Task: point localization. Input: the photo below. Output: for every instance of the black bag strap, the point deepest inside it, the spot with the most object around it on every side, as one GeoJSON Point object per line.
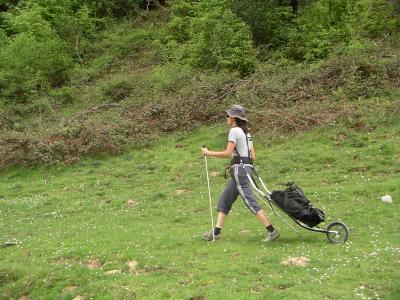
{"type": "Point", "coordinates": [238, 155]}
{"type": "Point", "coordinates": [248, 148]}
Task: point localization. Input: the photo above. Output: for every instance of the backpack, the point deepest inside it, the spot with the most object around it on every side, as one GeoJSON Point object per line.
{"type": "Point", "coordinates": [295, 203]}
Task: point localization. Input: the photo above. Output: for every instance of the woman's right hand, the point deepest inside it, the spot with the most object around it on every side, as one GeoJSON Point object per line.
{"type": "Point", "coordinates": [204, 151]}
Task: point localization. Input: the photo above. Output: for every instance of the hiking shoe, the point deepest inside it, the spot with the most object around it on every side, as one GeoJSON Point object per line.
{"type": "Point", "coordinates": [272, 236]}
{"type": "Point", "coordinates": [208, 236]}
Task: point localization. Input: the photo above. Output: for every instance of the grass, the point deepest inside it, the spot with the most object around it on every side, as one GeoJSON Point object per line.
{"type": "Point", "coordinates": [66, 219]}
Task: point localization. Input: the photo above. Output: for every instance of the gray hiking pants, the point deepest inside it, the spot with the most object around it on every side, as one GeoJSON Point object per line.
{"type": "Point", "coordinates": [238, 185]}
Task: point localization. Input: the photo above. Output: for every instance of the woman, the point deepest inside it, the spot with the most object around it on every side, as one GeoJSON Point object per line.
{"type": "Point", "coordinates": [240, 148]}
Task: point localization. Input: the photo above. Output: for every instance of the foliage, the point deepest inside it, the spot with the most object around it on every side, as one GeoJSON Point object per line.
{"type": "Point", "coordinates": [268, 20]}
{"type": "Point", "coordinates": [322, 25]}
{"type": "Point", "coordinates": [117, 8]}
{"type": "Point", "coordinates": [216, 38]}
{"type": "Point", "coordinates": [65, 64]}
{"type": "Point", "coordinates": [29, 65]}
{"type": "Point", "coordinates": [33, 57]}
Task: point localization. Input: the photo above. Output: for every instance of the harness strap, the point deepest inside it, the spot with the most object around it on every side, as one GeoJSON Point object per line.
{"type": "Point", "coordinates": [248, 150]}
{"type": "Point", "coordinates": [238, 160]}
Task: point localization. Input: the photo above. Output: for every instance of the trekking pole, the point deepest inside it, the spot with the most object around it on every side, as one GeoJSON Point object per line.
{"type": "Point", "coordinates": [209, 197]}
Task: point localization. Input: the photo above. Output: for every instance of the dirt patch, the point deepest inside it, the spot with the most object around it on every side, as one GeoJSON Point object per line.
{"type": "Point", "coordinates": [201, 297]}
{"type": "Point", "coordinates": [181, 191]}
{"type": "Point", "coordinates": [301, 261]}
{"type": "Point", "coordinates": [132, 202]}
{"type": "Point", "coordinates": [113, 272]}
{"type": "Point", "coordinates": [69, 289]}
{"type": "Point", "coordinates": [234, 255]}
{"type": "Point", "coordinates": [93, 264]}
{"type": "Point", "coordinates": [132, 266]}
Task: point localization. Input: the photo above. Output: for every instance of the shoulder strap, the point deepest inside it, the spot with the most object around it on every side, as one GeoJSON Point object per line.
{"type": "Point", "coordinates": [247, 143]}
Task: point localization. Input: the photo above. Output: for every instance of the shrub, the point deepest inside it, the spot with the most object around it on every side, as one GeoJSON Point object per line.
{"type": "Point", "coordinates": [28, 66]}
{"type": "Point", "coordinates": [215, 38]}
{"type": "Point", "coordinates": [268, 20]}
{"type": "Point", "coordinates": [33, 57]}
{"type": "Point", "coordinates": [322, 25]}
{"type": "Point", "coordinates": [171, 76]}
{"type": "Point", "coordinates": [118, 89]}
{"type": "Point", "coordinates": [65, 95]}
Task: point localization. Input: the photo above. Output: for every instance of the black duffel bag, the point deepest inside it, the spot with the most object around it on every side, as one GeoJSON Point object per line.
{"type": "Point", "coordinates": [295, 203]}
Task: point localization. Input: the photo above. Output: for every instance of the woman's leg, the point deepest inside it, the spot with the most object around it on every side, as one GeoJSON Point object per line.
{"type": "Point", "coordinates": [245, 190]}
{"type": "Point", "coordinates": [225, 202]}
{"type": "Point", "coordinates": [228, 197]}
{"type": "Point", "coordinates": [221, 219]}
{"type": "Point", "coordinates": [263, 217]}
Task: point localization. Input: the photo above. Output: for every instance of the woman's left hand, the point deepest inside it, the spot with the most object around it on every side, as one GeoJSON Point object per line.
{"type": "Point", "coordinates": [204, 151]}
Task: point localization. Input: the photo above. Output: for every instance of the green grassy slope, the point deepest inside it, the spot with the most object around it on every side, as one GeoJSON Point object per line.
{"type": "Point", "coordinates": [66, 219]}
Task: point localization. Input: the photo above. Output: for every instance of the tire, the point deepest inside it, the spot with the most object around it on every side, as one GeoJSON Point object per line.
{"type": "Point", "coordinates": [341, 235]}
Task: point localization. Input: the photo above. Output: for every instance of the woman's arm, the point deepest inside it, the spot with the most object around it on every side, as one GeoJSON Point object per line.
{"type": "Point", "coordinates": [226, 153]}
{"type": "Point", "coordinates": [252, 153]}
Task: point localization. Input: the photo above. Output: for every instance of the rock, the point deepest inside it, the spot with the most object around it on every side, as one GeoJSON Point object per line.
{"type": "Point", "coordinates": [131, 202]}
{"type": "Point", "coordinates": [387, 199]}
{"type": "Point", "coordinates": [113, 272]}
{"type": "Point", "coordinates": [301, 261]}
{"type": "Point", "coordinates": [79, 298]}
{"type": "Point", "coordinates": [69, 289]}
{"type": "Point", "coordinates": [93, 264]}
{"type": "Point", "coordinates": [201, 297]}
{"type": "Point", "coordinates": [9, 243]}
{"type": "Point", "coordinates": [132, 266]}
{"type": "Point", "coordinates": [179, 192]}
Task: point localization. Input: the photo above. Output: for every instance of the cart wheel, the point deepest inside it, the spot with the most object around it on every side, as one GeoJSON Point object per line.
{"type": "Point", "coordinates": [340, 234]}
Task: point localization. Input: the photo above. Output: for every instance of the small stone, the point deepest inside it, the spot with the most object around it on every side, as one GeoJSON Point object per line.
{"type": "Point", "coordinates": [179, 192]}
{"type": "Point", "coordinates": [9, 243]}
{"type": "Point", "coordinates": [132, 266]}
{"type": "Point", "coordinates": [93, 264]}
{"type": "Point", "coordinates": [113, 272]}
{"type": "Point", "coordinates": [387, 199]}
{"type": "Point", "coordinates": [131, 202]}
{"type": "Point", "coordinates": [69, 289]}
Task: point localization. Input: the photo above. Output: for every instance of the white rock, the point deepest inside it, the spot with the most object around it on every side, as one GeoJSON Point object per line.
{"type": "Point", "coordinates": [113, 272]}
{"type": "Point", "coordinates": [387, 199]}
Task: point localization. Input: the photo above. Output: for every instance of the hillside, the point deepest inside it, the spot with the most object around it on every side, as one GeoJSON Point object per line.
{"type": "Point", "coordinates": [144, 76]}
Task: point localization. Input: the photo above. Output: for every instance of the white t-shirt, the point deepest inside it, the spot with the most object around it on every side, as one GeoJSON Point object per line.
{"type": "Point", "coordinates": [237, 136]}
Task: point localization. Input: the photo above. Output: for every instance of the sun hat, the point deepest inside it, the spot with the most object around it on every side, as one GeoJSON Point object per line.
{"type": "Point", "coordinates": [237, 111]}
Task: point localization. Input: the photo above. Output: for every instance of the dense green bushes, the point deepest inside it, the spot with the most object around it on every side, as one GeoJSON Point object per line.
{"type": "Point", "coordinates": [29, 65]}
{"type": "Point", "coordinates": [211, 36]}
{"type": "Point", "coordinates": [313, 29]}
{"type": "Point", "coordinates": [41, 41]}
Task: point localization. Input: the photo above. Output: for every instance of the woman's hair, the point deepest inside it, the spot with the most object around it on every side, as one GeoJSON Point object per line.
{"type": "Point", "coordinates": [242, 124]}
